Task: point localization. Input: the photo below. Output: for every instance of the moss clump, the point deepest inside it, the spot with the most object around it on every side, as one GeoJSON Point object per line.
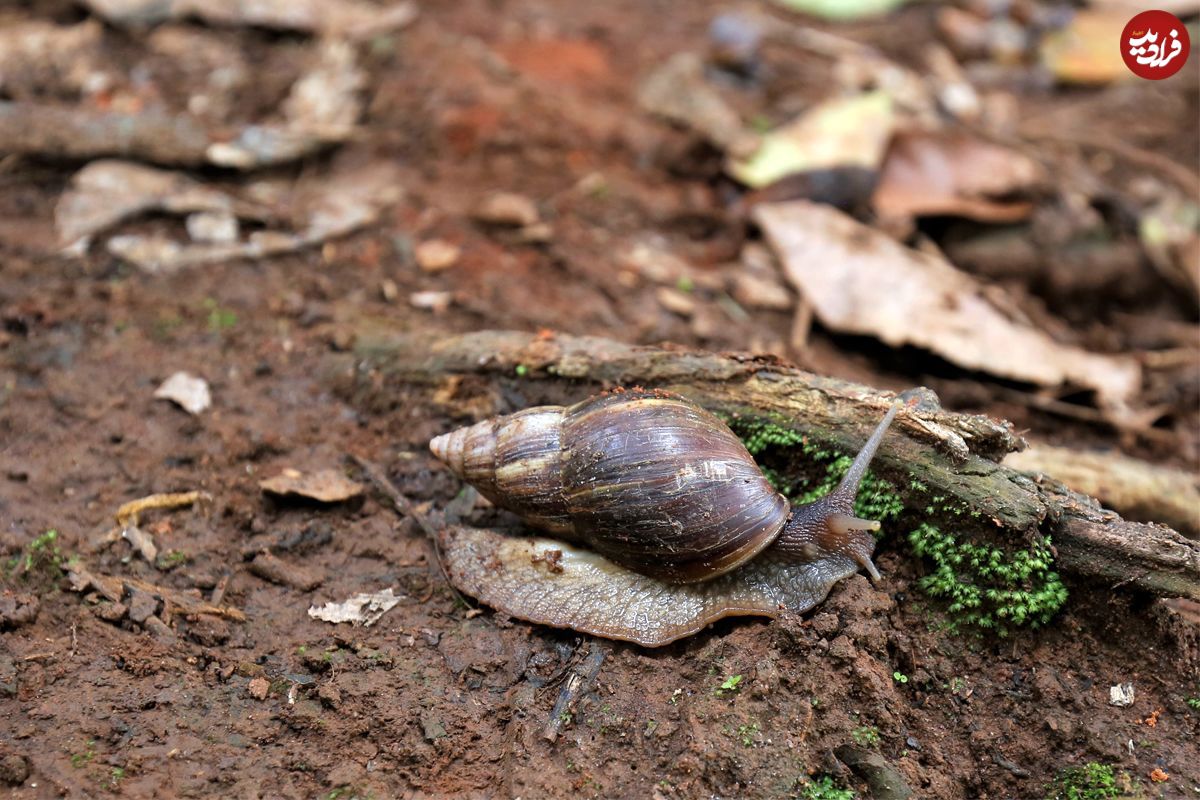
{"type": "Point", "coordinates": [823, 788]}
{"type": "Point", "coordinates": [987, 586]}
{"type": "Point", "coordinates": [1092, 781]}
{"type": "Point", "coordinates": [877, 498]}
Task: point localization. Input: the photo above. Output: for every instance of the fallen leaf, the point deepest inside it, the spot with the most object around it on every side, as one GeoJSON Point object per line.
{"type": "Point", "coordinates": [859, 280]}
{"type": "Point", "coordinates": [1088, 49]}
{"type": "Point", "coordinates": [928, 173]}
{"type": "Point", "coordinates": [842, 9]}
{"type": "Point", "coordinates": [350, 18]}
{"type": "Point", "coordinates": [187, 391]}
{"type": "Point", "coordinates": [359, 609]}
{"type": "Point", "coordinates": [679, 91]}
{"type": "Point", "coordinates": [843, 132]}
{"type": "Point", "coordinates": [325, 486]}
{"type": "Point", "coordinates": [107, 192]}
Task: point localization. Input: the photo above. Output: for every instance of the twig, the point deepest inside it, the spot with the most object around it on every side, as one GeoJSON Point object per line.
{"type": "Point", "coordinates": [405, 507]}
{"type": "Point", "coordinates": [578, 682]}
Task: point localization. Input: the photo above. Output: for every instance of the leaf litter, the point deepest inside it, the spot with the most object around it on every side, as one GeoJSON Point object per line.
{"type": "Point", "coordinates": [861, 281]}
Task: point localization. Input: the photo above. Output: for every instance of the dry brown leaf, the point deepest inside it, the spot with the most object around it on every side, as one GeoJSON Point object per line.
{"type": "Point", "coordinates": [861, 281]}
{"type": "Point", "coordinates": [929, 173]}
{"type": "Point", "coordinates": [325, 486]}
{"type": "Point", "coordinates": [1087, 50]}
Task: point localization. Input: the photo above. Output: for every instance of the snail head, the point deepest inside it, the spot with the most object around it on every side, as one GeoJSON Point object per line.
{"type": "Point", "coordinates": [828, 527]}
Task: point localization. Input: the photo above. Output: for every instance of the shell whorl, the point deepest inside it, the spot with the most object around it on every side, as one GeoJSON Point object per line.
{"type": "Point", "coordinates": [515, 461]}
{"type": "Point", "coordinates": [653, 482]}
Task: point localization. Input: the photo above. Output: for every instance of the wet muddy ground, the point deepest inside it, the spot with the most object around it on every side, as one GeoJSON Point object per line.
{"type": "Point", "coordinates": [251, 697]}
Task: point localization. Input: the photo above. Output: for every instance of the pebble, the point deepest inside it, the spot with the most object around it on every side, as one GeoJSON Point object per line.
{"type": "Point", "coordinates": [259, 688]}
{"type": "Point", "coordinates": [507, 208]}
{"type": "Point", "coordinates": [675, 301]}
{"type": "Point", "coordinates": [436, 302]}
{"type": "Point", "coordinates": [436, 255]}
{"type": "Point", "coordinates": [758, 292]}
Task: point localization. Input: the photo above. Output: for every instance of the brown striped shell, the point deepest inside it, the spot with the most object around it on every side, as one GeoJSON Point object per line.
{"type": "Point", "coordinates": [651, 481]}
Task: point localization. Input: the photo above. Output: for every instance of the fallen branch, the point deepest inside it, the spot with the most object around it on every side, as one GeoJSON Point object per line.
{"type": "Point", "coordinates": [930, 451]}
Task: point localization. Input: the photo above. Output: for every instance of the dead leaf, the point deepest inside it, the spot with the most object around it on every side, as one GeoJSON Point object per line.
{"type": "Point", "coordinates": [861, 281]}
{"type": "Point", "coordinates": [108, 191]}
{"type": "Point", "coordinates": [187, 391]}
{"type": "Point", "coordinates": [350, 18]}
{"type": "Point", "coordinates": [928, 173]}
{"type": "Point", "coordinates": [842, 132]}
{"type": "Point", "coordinates": [679, 91]}
{"type": "Point", "coordinates": [325, 486]}
{"type": "Point", "coordinates": [1088, 49]}
{"type": "Point", "coordinates": [359, 609]}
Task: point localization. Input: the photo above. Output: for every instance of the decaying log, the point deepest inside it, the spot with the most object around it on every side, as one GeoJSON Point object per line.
{"type": "Point", "coordinates": [953, 456]}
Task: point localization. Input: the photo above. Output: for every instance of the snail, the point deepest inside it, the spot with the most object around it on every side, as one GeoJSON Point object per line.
{"type": "Point", "coordinates": [661, 521]}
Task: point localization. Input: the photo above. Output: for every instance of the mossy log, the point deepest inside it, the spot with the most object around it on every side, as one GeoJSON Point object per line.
{"type": "Point", "coordinates": [930, 453]}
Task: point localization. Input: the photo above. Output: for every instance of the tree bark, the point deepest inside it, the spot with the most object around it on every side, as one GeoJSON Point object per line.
{"type": "Point", "coordinates": [950, 455]}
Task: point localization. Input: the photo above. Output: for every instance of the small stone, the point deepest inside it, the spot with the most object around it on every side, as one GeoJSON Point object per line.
{"type": "Point", "coordinates": [675, 301]}
{"type": "Point", "coordinates": [436, 302]}
{"type": "Point", "coordinates": [758, 292]}
{"type": "Point", "coordinates": [329, 695]}
{"type": "Point", "coordinates": [538, 233]}
{"type": "Point", "coordinates": [436, 255]}
{"type": "Point", "coordinates": [112, 612]}
{"type": "Point", "coordinates": [826, 623]}
{"type": "Point", "coordinates": [1121, 695]}
{"type": "Point", "coordinates": [14, 769]}
{"type": "Point", "coordinates": [842, 649]}
{"type": "Point", "coordinates": [187, 391]}
{"type": "Point", "coordinates": [259, 688]}
{"type": "Point", "coordinates": [389, 289]}
{"type": "Point", "coordinates": [142, 605]}
{"type": "Point", "coordinates": [159, 629]}
{"type": "Point", "coordinates": [507, 208]}
{"type": "Point", "coordinates": [217, 227]}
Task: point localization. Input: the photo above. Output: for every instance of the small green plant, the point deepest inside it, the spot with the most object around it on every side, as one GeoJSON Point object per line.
{"type": "Point", "coordinates": [957, 685]}
{"type": "Point", "coordinates": [823, 788]}
{"type": "Point", "coordinates": [85, 756]}
{"type": "Point", "coordinates": [746, 733]}
{"type": "Point", "coordinates": [172, 559]}
{"type": "Point", "coordinates": [865, 735]}
{"type": "Point", "coordinates": [219, 319]}
{"type": "Point", "coordinates": [1194, 702]}
{"type": "Point", "coordinates": [40, 558]}
{"type": "Point", "coordinates": [730, 684]}
{"type": "Point", "coordinates": [899, 677]}
{"type": "Point", "coordinates": [521, 370]}
{"type": "Point", "coordinates": [685, 284]}
{"type": "Point", "coordinates": [115, 778]}
{"type": "Point", "coordinates": [986, 586]}
{"type": "Point", "coordinates": [1092, 781]}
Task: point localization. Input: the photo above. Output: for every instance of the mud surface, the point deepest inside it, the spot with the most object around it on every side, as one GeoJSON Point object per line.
{"type": "Point", "coordinates": [158, 699]}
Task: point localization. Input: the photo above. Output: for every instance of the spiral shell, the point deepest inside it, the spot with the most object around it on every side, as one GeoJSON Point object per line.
{"type": "Point", "coordinates": [649, 480]}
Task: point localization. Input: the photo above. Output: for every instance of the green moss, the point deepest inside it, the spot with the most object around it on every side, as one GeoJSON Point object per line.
{"type": "Point", "coordinates": [877, 498]}
{"type": "Point", "coordinates": [823, 788]}
{"type": "Point", "coordinates": [1092, 781]}
{"type": "Point", "coordinates": [988, 587]}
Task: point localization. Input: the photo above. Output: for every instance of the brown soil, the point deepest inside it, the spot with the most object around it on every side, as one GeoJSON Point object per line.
{"type": "Point", "coordinates": [438, 700]}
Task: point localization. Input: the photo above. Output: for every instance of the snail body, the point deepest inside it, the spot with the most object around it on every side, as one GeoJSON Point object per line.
{"type": "Point", "coordinates": [661, 521]}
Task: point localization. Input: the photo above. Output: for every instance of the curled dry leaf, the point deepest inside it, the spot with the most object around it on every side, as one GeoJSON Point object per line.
{"type": "Point", "coordinates": [346, 201]}
{"type": "Point", "coordinates": [187, 391]}
{"type": "Point", "coordinates": [842, 132]}
{"type": "Point", "coordinates": [360, 609]}
{"type": "Point", "coordinates": [354, 19]}
{"type": "Point", "coordinates": [325, 486]}
{"type": "Point", "coordinates": [928, 173]}
{"type": "Point", "coordinates": [107, 192]}
{"type": "Point", "coordinates": [859, 280]}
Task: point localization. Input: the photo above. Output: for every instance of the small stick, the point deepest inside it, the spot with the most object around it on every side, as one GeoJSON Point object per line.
{"type": "Point", "coordinates": [580, 679]}
{"type": "Point", "coordinates": [405, 507]}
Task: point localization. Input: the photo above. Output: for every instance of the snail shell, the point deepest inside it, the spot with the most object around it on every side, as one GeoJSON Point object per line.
{"type": "Point", "coordinates": [662, 521]}
{"type": "Point", "coordinates": [651, 481]}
